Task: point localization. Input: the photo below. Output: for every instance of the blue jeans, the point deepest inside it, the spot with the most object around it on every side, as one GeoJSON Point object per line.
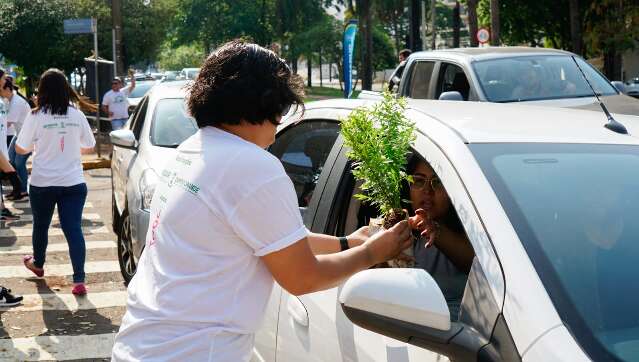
{"type": "Point", "coordinates": [19, 162]}
{"type": "Point", "coordinates": [117, 123]}
{"type": "Point", "coordinates": [70, 201]}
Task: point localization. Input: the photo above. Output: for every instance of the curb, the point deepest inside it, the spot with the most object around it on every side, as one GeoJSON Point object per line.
{"type": "Point", "coordinates": [99, 163]}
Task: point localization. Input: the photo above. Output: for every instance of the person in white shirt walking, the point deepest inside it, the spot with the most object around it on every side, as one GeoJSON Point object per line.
{"type": "Point", "coordinates": [19, 108]}
{"type": "Point", "coordinates": [7, 170]}
{"type": "Point", "coordinates": [202, 285]}
{"type": "Point", "coordinates": [57, 133]}
{"type": "Point", "coordinates": [115, 102]}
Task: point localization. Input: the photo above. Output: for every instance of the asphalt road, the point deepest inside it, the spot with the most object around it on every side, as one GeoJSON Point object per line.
{"type": "Point", "coordinates": [51, 323]}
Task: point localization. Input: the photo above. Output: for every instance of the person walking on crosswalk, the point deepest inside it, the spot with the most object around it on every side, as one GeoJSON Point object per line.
{"type": "Point", "coordinates": [57, 132]}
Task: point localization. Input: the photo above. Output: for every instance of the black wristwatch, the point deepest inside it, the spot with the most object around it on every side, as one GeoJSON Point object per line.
{"type": "Point", "coordinates": [343, 243]}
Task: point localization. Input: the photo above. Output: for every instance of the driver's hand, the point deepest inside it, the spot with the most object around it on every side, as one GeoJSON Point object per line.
{"type": "Point", "coordinates": [359, 236]}
{"type": "Point", "coordinates": [424, 223]}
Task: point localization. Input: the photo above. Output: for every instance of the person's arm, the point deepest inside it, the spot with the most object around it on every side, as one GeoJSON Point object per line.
{"type": "Point", "coordinates": [327, 244]}
{"type": "Point", "coordinates": [21, 151]}
{"type": "Point", "coordinates": [299, 271]}
{"type": "Point", "coordinates": [5, 166]}
{"type": "Point", "coordinates": [106, 100]}
{"type": "Point", "coordinates": [24, 143]}
{"type": "Point", "coordinates": [132, 85]}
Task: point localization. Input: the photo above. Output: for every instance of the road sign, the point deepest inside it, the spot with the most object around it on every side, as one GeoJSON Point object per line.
{"type": "Point", "coordinates": [483, 36]}
{"type": "Point", "coordinates": [80, 26]}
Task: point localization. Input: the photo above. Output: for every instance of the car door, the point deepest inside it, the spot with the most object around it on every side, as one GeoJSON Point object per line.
{"type": "Point", "coordinates": [314, 328]}
{"type": "Point", "coordinates": [303, 149]}
{"type": "Point", "coordinates": [122, 157]}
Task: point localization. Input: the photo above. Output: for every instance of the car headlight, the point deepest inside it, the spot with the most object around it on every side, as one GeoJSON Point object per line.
{"type": "Point", "coordinates": [148, 181]}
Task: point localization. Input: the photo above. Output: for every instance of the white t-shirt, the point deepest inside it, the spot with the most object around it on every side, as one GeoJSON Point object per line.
{"type": "Point", "coordinates": [4, 111]}
{"type": "Point", "coordinates": [118, 103]}
{"type": "Point", "coordinates": [219, 206]}
{"type": "Point", "coordinates": [18, 111]}
{"type": "Point", "coordinates": [56, 141]}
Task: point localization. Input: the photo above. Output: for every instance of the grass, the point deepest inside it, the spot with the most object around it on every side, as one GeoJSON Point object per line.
{"type": "Point", "coordinates": [318, 93]}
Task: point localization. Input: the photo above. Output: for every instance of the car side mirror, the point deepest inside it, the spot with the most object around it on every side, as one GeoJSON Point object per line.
{"type": "Point", "coordinates": [123, 138]}
{"type": "Point", "coordinates": [451, 96]}
{"type": "Point", "coordinates": [619, 85]}
{"type": "Point", "coordinates": [406, 304]}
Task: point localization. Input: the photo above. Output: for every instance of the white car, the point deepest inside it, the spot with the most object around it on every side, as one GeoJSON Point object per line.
{"type": "Point", "coordinates": [548, 198]}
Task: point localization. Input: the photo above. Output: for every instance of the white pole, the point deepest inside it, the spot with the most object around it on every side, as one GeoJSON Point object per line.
{"type": "Point", "coordinates": [97, 87]}
{"type": "Point", "coordinates": [115, 60]}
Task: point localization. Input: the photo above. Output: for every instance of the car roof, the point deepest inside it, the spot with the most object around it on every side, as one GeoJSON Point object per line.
{"type": "Point", "coordinates": [484, 53]}
{"type": "Point", "coordinates": [175, 89]}
{"type": "Point", "coordinates": [484, 122]}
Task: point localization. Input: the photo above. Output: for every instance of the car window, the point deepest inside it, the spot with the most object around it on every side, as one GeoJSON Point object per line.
{"type": "Point", "coordinates": [532, 78]}
{"type": "Point", "coordinates": [420, 80]}
{"type": "Point", "coordinates": [303, 150]}
{"type": "Point", "coordinates": [353, 214]}
{"type": "Point", "coordinates": [452, 78]}
{"type": "Point", "coordinates": [141, 88]}
{"type": "Point", "coordinates": [171, 123]}
{"type": "Point", "coordinates": [575, 209]}
{"type": "Point", "coordinates": [137, 119]}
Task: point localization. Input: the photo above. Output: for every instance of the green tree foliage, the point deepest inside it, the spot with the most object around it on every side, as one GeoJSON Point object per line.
{"type": "Point", "coordinates": [145, 26]}
{"type": "Point", "coordinates": [184, 56]}
{"type": "Point", "coordinates": [213, 22]}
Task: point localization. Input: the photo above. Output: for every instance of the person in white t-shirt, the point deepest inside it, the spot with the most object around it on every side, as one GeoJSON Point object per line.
{"type": "Point", "coordinates": [6, 168]}
{"type": "Point", "coordinates": [225, 223]}
{"type": "Point", "coordinates": [116, 101]}
{"type": "Point", "coordinates": [19, 108]}
{"type": "Point", "coordinates": [57, 133]}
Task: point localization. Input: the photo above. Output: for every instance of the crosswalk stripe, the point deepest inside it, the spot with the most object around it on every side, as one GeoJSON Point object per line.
{"type": "Point", "coordinates": [60, 270]}
{"type": "Point", "coordinates": [26, 249]}
{"type": "Point", "coordinates": [27, 205]}
{"type": "Point", "coordinates": [57, 348]}
{"type": "Point", "coordinates": [53, 231]}
{"type": "Point", "coordinates": [56, 218]}
{"type": "Point", "coordinates": [54, 301]}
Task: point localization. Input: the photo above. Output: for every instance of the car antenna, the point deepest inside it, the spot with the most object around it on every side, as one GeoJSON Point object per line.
{"type": "Point", "coordinates": [612, 124]}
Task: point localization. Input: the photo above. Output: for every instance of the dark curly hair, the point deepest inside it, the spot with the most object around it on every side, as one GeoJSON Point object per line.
{"type": "Point", "coordinates": [243, 81]}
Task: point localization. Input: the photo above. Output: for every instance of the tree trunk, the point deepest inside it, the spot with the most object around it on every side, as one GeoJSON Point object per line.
{"type": "Point", "coordinates": [612, 64]}
{"type": "Point", "coordinates": [494, 23]}
{"type": "Point", "coordinates": [309, 71]}
{"type": "Point", "coordinates": [456, 25]}
{"type": "Point", "coordinates": [575, 27]}
{"type": "Point", "coordinates": [364, 9]}
{"type": "Point", "coordinates": [415, 22]}
{"type": "Point", "coordinates": [433, 24]}
{"type": "Point", "coordinates": [472, 22]}
{"type": "Point", "coordinates": [294, 63]}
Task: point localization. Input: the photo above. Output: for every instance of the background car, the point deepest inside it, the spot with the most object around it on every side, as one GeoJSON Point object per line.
{"type": "Point", "coordinates": [632, 87]}
{"type": "Point", "coordinates": [157, 126]}
{"type": "Point", "coordinates": [547, 198]}
{"type": "Point", "coordinates": [189, 73]}
{"type": "Point", "coordinates": [539, 76]}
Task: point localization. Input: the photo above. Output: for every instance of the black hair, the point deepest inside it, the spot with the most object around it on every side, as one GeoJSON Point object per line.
{"type": "Point", "coordinates": [405, 53]}
{"type": "Point", "coordinates": [55, 94]}
{"type": "Point", "coordinates": [243, 81]}
{"type": "Point", "coordinates": [451, 219]}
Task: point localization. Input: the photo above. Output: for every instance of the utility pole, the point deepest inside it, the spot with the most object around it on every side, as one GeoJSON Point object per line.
{"type": "Point", "coordinates": [495, 23]}
{"type": "Point", "coordinates": [456, 25]}
{"type": "Point", "coordinates": [116, 15]}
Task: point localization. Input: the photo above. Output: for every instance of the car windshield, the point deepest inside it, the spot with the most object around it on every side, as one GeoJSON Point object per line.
{"type": "Point", "coordinates": [575, 209]}
{"type": "Point", "coordinates": [171, 123]}
{"type": "Point", "coordinates": [141, 88]}
{"type": "Point", "coordinates": [530, 78]}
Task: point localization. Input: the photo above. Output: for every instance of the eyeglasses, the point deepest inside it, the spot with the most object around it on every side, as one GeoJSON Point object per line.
{"type": "Point", "coordinates": [419, 183]}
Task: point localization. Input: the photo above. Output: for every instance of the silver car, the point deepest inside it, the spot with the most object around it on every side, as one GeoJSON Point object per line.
{"type": "Point", "coordinates": [149, 138]}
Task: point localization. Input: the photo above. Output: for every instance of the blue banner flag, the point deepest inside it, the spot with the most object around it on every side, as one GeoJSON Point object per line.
{"type": "Point", "coordinates": [348, 46]}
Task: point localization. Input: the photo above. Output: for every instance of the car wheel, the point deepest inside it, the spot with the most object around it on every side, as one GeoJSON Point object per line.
{"type": "Point", "coordinates": [126, 255]}
{"type": "Point", "coordinates": [115, 215]}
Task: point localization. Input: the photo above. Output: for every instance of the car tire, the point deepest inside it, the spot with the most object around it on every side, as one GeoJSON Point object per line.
{"type": "Point", "coordinates": [115, 215]}
{"type": "Point", "coordinates": [126, 254]}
